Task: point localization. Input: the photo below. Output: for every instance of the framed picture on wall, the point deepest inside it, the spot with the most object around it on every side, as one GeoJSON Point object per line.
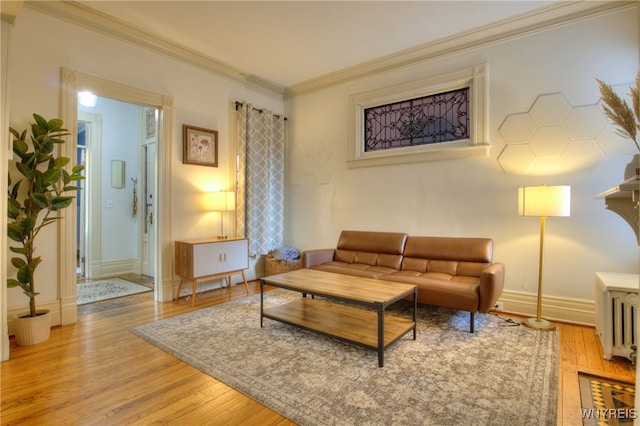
{"type": "Point", "coordinates": [200, 146]}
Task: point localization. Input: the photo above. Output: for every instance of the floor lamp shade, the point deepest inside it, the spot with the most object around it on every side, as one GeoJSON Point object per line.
{"type": "Point", "coordinates": [543, 201]}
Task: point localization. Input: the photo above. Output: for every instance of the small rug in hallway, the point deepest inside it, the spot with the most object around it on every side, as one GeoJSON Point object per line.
{"type": "Point", "coordinates": [606, 401]}
{"type": "Point", "coordinates": [499, 375]}
{"type": "Point", "coordinates": [95, 291]}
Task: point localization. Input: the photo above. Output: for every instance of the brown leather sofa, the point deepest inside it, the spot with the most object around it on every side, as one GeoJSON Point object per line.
{"type": "Point", "coordinates": [457, 273]}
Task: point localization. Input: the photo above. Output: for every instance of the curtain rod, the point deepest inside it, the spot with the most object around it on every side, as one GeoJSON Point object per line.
{"type": "Point", "coordinates": [239, 104]}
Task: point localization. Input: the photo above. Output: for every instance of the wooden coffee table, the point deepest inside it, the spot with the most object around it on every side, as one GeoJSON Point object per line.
{"type": "Point", "coordinates": [349, 322]}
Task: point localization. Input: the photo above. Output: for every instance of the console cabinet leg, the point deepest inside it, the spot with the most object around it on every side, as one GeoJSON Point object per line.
{"type": "Point", "coordinates": [179, 288]}
{"type": "Point", "coordinates": [244, 278]}
{"type": "Point", "coordinates": [193, 295]}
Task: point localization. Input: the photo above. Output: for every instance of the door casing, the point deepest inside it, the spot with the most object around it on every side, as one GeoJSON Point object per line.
{"type": "Point", "coordinates": [73, 82]}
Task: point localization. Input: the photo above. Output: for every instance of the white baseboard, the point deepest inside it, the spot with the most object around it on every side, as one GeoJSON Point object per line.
{"type": "Point", "coordinates": [113, 268]}
{"type": "Point", "coordinates": [576, 311]}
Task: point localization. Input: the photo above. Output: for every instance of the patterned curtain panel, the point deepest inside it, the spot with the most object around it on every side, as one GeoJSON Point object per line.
{"type": "Point", "coordinates": [261, 147]}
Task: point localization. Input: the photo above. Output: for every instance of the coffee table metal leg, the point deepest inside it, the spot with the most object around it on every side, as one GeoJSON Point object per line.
{"type": "Point", "coordinates": [415, 309]}
{"type": "Point", "coordinates": [380, 335]}
{"type": "Point", "coordinates": [261, 301]}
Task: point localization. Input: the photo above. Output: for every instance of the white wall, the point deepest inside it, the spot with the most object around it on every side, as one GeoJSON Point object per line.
{"type": "Point", "coordinates": [200, 99]}
{"type": "Point", "coordinates": [473, 197]}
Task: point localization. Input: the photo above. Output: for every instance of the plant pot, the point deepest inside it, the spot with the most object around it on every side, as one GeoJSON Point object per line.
{"type": "Point", "coordinates": [31, 330]}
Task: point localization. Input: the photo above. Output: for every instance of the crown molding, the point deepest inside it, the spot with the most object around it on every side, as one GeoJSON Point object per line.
{"type": "Point", "coordinates": [97, 21]}
{"type": "Point", "coordinates": [9, 10]}
{"type": "Point", "coordinates": [524, 24]}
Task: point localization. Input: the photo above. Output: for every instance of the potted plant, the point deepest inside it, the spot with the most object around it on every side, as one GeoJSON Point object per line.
{"type": "Point", "coordinates": [33, 203]}
{"type": "Point", "coordinates": [625, 118]}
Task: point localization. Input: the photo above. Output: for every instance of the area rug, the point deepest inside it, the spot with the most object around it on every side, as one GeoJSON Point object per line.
{"type": "Point", "coordinates": [606, 401]}
{"type": "Point", "coordinates": [94, 291]}
{"type": "Point", "coordinates": [501, 374]}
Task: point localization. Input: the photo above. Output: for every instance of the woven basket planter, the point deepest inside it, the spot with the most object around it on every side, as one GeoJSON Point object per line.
{"type": "Point", "coordinates": [277, 266]}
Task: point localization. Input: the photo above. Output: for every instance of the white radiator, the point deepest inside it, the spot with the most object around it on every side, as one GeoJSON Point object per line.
{"type": "Point", "coordinates": [617, 299]}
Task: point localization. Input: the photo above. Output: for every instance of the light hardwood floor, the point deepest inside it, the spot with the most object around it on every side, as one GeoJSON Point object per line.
{"type": "Point", "coordinates": [96, 372]}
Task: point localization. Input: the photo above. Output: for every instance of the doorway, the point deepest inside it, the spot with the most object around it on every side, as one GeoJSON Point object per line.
{"type": "Point", "coordinates": [72, 83]}
{"type": "Point", "coordinates": [116, 141]}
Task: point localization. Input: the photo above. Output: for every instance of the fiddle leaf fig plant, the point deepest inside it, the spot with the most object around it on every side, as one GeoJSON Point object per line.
{"type": "Point", "coordinates": [36, 198]}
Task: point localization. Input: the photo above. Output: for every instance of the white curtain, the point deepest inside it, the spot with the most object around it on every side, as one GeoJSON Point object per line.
{"type": "Point", "coordinates": [261, 148]}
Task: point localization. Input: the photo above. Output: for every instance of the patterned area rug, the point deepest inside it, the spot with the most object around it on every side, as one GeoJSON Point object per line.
{"type": "Point", "coordinates": [606, 402]}
{"type": "Point", "coordinates": [500, 375]}
{"type": "Point", "coordinates": [95, 291]}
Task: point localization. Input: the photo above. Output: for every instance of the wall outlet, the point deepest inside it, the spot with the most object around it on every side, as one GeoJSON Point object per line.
{"type": "Point", "coordinates": [498, 306]}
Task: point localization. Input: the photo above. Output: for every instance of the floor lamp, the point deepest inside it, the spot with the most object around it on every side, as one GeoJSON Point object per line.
{"type": "Point", "coordinates": [543, 201]}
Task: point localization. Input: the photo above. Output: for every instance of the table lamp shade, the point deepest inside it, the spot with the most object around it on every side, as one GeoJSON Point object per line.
{"type": "Point", "coordinates": [221, 201]}
{"type": "Point", "coordinates": [544, 200]}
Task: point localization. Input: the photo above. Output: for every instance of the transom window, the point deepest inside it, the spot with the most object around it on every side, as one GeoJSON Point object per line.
{"type": "Point", "coordinates": [437, 118]}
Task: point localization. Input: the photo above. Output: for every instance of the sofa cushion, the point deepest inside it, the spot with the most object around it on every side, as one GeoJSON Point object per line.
{"type": "Point", "coordinates": [373, 242]}
{"type": "Point", "coordinates": [345, 256]}
{"type": "Point", "coordinates": [473, 269]}
{"type": "Point", "coordinates": [448, 267]}
{"type": "Point", "coordinates": [449, 255]}
{"type": "Point", "coordinates": [371, 248]}
{"type": "Point", "coordinates": [450, 248]}
{"type": "Point", "coordinates": [440, 289]}
{"type": "Point", "coordinates": [356, 269]}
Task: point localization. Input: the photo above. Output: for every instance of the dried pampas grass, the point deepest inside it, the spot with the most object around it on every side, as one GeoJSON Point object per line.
{"type": "Point", "coordinates": [626, 119]}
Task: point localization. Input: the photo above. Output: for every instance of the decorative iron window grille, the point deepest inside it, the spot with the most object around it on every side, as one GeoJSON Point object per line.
{"type": "Point", "coordinates": [439, 117]}
{"type": "Point", "coordinates": [432, 119]}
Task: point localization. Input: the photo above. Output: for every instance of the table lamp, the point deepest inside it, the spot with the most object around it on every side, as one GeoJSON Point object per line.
{"type": "Point", "coordinates": [222, 202]}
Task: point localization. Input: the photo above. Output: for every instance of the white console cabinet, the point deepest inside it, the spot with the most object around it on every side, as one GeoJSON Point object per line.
{"type": "Point", "coordinates": [210, 259]}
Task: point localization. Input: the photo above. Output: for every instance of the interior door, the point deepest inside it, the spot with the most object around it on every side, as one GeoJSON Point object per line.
{"type": "Point", "coordinates": [149, 186]}
{"type": "Point", "coordinates": [89, 230]}
{"type": "Point", "coordinates": [81, 202]}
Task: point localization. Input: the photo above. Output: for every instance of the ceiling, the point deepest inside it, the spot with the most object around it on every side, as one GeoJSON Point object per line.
{"type": "Point", "coordinates": [286, 43]}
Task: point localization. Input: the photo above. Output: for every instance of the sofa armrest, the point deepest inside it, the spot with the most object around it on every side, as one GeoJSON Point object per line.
{"type": "Point", "coordinates": [491, 285]}
{"type": "Point", "coordinates": [316, 257]}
